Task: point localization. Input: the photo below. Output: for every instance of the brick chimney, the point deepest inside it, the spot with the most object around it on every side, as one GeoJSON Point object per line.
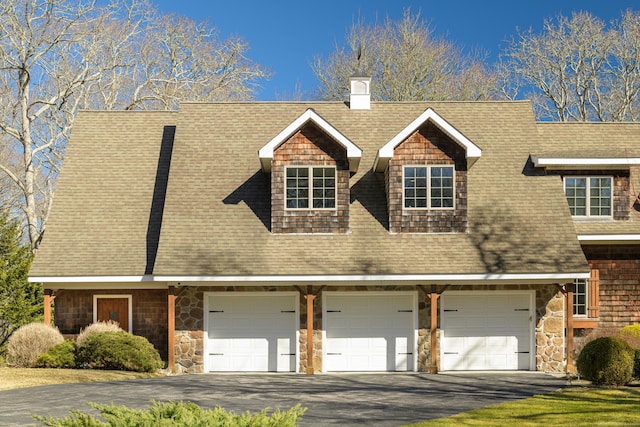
{"type": "Point", "coordinates": [360, 97]}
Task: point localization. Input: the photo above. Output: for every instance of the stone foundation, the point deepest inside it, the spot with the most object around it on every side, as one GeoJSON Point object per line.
{"type": "Point", "coordinates": [189, 352]}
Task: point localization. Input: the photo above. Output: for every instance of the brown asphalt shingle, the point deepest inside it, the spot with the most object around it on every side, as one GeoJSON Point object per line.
{"type": "Point", "coordinates": [217, 213]}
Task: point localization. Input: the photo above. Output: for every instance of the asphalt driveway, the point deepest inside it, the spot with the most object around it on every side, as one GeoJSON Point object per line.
{"type": "Point", "coordinates": [393, 399]}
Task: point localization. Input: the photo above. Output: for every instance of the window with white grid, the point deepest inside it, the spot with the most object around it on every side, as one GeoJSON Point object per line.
{"type": "Point", "coordinates": [589, 196]}
{"type": "Point", "coordinates": [428, 187]}
{"type": "Point", "coordinates": [580, 297]}
{"type": "Point", "coordinates": [310, 187]}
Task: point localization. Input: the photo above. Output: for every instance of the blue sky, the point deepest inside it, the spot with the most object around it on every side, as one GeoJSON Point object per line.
{"type": "Point", "coordinates": [284, 36]}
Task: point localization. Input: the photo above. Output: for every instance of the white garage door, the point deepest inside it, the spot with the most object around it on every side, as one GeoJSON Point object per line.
{"type": "Point", "coordinates": [369, 332]}
{"type": "Point", "coordinates": [487, 331]}
{"type": "Point", "coordinates": [251, 332]}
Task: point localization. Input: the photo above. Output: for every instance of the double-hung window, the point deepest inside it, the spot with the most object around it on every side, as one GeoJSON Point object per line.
{"type": "Point", "coordinates": [589, 196]}
{"type": "Point", "coordinates": [310, 187]}
{"type": "Point", "coordinates": [428, 187]}
{"type": "Point", "coordinates": [581, 297]}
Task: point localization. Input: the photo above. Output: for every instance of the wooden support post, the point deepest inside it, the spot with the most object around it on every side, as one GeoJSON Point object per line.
{"type": "Point", "coordinates": [310, 297]}
{"type": "Point", "coordinates": [434, 332]}
{"type": "Point", "coordinates": [171, 329]}
{"type": "Point", "coordinates": [569, 295]}
{"type": "Point", "coordinates": [48, 299]}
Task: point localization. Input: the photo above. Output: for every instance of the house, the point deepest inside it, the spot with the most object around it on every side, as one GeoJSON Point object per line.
{"type": "Point", "coordinates": [347, 236]}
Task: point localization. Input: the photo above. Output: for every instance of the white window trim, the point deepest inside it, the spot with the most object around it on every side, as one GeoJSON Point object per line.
{"type": "Point", "coordinates": [310, 179]}
{"type": "Point", "coordinates": [129, 306]}
{"type": "Point", "coordinates": [428, 207]}
{"type": "Point", "coordinates": [588, 195]}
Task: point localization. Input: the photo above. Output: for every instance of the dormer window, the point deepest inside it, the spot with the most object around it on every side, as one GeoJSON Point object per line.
{"type": "Point", "coordinates": [310, 187]}
{"type": "Point", "coordinates": [310, 163]}
{"type": "Point", "coordinates": [428, 187]}
{"type": "Point", "coordinates": [589, 197]}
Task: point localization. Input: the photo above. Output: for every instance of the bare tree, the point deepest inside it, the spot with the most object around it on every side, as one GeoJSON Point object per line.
{"type": "Point", "coordinates": [58, 56]}
{"type": "Point", "coordinates": [577, 68]}
{"type": "Point", "coordinates": [405, 61]}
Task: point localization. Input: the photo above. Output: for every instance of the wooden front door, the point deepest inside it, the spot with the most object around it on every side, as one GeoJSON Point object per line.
{"type": "Point", "coordinates": [115, 309]}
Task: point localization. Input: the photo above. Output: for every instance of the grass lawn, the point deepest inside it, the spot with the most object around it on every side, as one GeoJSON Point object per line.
{"type": "Point", "coordinates": [20, 378]}
{"type": "Point", "coordinates": [573, 406]}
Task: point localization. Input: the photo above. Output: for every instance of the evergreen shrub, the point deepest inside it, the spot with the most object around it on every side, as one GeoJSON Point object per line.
{"type": "Point", "coordinates": [176, 414]}
{"type": "Point", "coordinates": [62, 355]}
{"type": "Point", "coordinates": [606, 361]}
{"type": "Point", "coordinates": [120, 351]}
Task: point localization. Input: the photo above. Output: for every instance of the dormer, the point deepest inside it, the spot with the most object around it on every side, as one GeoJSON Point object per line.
{"type": "Point", "coordinates": [425, 167]}
{"type": "Point", "coordinates": [310, 163]}
{"type": "Point", "coordinates": [596, 188]}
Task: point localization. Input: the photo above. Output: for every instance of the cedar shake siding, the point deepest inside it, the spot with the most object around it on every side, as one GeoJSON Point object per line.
{"type": "Point", "coordinates": [73, 312]}
{"type": "Point", "coordinates": [428, 146]}
{"type": "Point", "coordinates": [619, 268]}
{"type": "Point", "coordinates": [309, 147]}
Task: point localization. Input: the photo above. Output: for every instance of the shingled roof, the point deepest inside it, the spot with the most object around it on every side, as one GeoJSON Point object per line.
{"type": "Point", "coordinates": [215, 219]}
{"type": "Point", "coordinates": [618, 143]}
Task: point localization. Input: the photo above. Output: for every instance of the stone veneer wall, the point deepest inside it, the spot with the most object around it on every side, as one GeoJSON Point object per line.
{"type": "Point", "coordinates": [189, 342]}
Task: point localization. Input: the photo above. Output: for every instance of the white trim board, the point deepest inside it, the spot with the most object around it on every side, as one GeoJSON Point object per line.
{"type": "Point", "coordinates": [608, 238]}
{"type": "Point", "coordinates": [160, 282]}
{"type": "Point", "coordinates": [584, 163]}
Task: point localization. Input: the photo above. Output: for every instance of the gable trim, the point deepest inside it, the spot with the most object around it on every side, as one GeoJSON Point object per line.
{"type": "Point", "coordinates": [472, 151]}
{"type": "Point", "coordinates": [354, 153]}
{"type": "Point", "coordinates": [583, 163]}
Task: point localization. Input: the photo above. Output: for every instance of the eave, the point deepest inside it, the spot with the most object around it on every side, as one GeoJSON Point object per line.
{"type": "Point", "coordinates": [568, 163]}
{"type": "Point", "coordinates": [613, 239]}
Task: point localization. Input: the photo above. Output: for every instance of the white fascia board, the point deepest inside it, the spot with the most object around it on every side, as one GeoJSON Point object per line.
{"type": "Point", "coordinates": [429, 278]}
{"type": "Point", "coordinates": [354, 153]}
{"type": "Point", "coordinates": [90, 279]}
{"type": "Point", "coordinates": [473, 152]}
{"type": "Point", "coordinates": [588, 163]}
{"type": "Point", "coordinates": [609, 238]}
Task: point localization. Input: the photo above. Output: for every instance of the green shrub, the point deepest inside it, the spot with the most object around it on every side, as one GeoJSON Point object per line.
{"type": "Point", "coordinates": [30, 341]}
{"type": "Point", "coordinates": [631, 334]}
{"type": "Point", "coordinates": [636, 363]}
{"type": "Point", "coordinates": [62, 355]}
{"type": "Point", "coordinates": [606, 361]}
{"type": "Point", "coordinates": [176, 414]}
{"type": "Point", "coordinates": [118, 351]}
{"type": "Point", "coordinates": [94, 328]}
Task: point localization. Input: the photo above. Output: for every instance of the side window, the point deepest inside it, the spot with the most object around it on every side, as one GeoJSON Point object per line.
{"type": "Point", "coordinates": [589, 196]}
{"type": "Point", "coordinates": [580, 297]}
{"type": "Point", "coordinates": [310, 188]}
{"type": "Point", "coordinates": [428, 187]}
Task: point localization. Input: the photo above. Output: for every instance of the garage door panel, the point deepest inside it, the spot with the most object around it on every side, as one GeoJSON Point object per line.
{"type": "Point", "coordinates": [368, 332]}
{"type": "Point", "coordinates": [486, 331]}
{"type": "Point", "coordinates": [251, 332]}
